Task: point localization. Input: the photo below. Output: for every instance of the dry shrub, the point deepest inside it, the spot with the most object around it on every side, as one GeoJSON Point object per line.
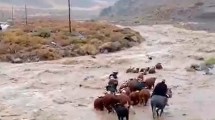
{"type": "Point", "coordinates": [210, 61]}
{"type": "Point", "coordinates": [125, 43]}
{"type": "Point", "coordinates": [60, 36]}
{"type": "Point", "coordinates": [22, 40]}
{"type": "Point", "coordinates": [48, 54]}
{"type": "Point", "coordinates": [19, 32]}
{"type": "Point", "coordinates": [116, 37]}
{"type": "Point", "coordinates": [34, 41]}
{"type": "Point", "coordinates": [28, 29]}
{"type": "Point", "coordinates": [89, 49]}
{"type": "Point", "coordinates": [44, 33]}
{"type": "Point", "coordinates": [95, 42]}
{"type": "Point", "coordinates": [55, 30]}
{"type": "Point", "coordinates": [78, 41]}
{"type": "Point", "coordinates": [110, 46]}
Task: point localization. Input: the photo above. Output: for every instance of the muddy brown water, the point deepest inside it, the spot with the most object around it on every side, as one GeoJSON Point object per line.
{"type": "Point", "coordinates": [50, 90]}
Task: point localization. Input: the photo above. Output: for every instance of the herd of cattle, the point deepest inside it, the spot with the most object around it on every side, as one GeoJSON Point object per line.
{"type": "Point", "coordinates": [135, 91]}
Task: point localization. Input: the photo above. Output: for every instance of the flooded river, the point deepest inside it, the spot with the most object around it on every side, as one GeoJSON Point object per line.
{"type": "Point", "coordinates": [50, 90]}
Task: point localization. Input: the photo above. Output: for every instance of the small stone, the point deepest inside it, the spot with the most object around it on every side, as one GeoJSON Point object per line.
{"type": "Point", "coordinates": [93, 56]}
{"type": "Point", "coordinates": [199, 58]}
{"type": "Point", "coordinates": [17, 60]}
{"type": "Point", "coordinates": [27, 70]}
{"type": "Point", "coordinates": [188, 69]}
{"type": "Point", "coordinates": [196, 57]}
{"type": "Point", "coordinates": [60, 101]}
{"type": "Point", "coordinates": [184, 114]}
{"type": "Point", "coordinates": [134, 38]}
{"type": "Point", "coordinates": [81, 105]}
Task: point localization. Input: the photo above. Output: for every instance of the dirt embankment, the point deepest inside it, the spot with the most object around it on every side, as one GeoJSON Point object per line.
{"type": "Point", "coordinates": [51, 40]}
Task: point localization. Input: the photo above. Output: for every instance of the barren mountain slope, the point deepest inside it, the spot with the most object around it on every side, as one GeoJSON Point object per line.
{"type": "Point", "coordinates": [160, 11]}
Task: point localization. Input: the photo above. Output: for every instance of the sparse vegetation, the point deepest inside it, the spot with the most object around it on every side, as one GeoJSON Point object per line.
{"type": "Point", "coordinates": [50, 40]}
{"type": "Point", "coordinates": [210, 61]}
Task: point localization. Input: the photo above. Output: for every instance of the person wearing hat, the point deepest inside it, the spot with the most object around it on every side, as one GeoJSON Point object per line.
{"type": "Point", "coordinates": [161, 89]}
{"type": "Point", "coordinates": [113, 75]}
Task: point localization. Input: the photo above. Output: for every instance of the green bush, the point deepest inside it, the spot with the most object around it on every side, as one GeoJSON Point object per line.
{"type": "Point", "coordinates": [43, 33]}
{"type": "Point", "coordinates": [210, 61]}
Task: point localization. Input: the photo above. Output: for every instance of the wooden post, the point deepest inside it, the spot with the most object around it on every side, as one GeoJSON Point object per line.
{"type": "Point", "coordinates": [70, 28]}
{"type": "Point", "coordinates": [12, 17]}
{"type": "Point", "coordinates": [26, 15]}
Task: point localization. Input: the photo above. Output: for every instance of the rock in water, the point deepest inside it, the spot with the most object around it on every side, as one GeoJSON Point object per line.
{"type": "Point", "coordinates": [152, 70]}
{"type": "Point", "coordinates": [189, 69]}
{"type": "Point", "coordinates": [195, 66]}
{"type": "Point", "coordinates": [158, 66]}
{"type": "Point", "coordinates": [16, 60]}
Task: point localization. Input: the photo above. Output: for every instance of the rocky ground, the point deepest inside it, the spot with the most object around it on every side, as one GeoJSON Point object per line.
{"type": "Point", "coordinates": [50, 90]}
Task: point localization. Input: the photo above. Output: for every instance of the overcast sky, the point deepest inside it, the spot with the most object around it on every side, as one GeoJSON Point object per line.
{"type": "Point", "coordinates": [61, 4]}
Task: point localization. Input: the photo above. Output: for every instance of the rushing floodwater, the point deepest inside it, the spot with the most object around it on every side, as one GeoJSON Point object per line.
{"type": "Point", "coordinates": [50, 90]}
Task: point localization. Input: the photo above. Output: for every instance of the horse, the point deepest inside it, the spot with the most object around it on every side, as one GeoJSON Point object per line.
{"type": "Point", "coordinates": [158, 103]}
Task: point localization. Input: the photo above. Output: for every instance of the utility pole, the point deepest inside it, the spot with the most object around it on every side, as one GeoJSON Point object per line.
{"type": "Point", "coordinates": [70, 28]}
{"type": "Point", "coordinates": [12, 13]}
{"type": "Point", "coordinates": [26, 15]}
{"type": "Point", "coordinates": [2, 15]}
{"type": "Point", "coordinates": [12, 17]}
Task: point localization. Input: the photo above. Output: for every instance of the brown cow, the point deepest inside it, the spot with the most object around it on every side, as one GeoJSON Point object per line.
{"type": "Point", "coordinates": [145, 72]}
{"type": "Point", "coordinates": [150, 82]}
{"type": "Point", "coordinates": [129, 70]}
{"type": "Point", "coordinates": [124, 85]}
{"type": "Point", "coordinates": [158, 66]}
{"type": "Point", "coordinates": [152, 70]}
{"type": "Point", "coordinates": [124, 99]}
{"type": "Point", "coordinates": [142, 70]}
{"type": "Point", "coordinates": [131, 84]}
{"type": "Point", "coordinates": [147, 69]}
{"type": "Point", "coordinates": [109, 100]}
{"type": "Point", "coordinates": [144, 96]}
{"type": "Point", "coordinates": [136, 84]}
{"type": "Point", "coordinates": [136, 70]}
{"type": "Point", "coordinates": [98, 103]}
{"type": "Point", "coordinates": [134, 96]}
{"type": "Point", "coordinates": [125, 90]}
{"type": "Point", "coordinates": [141, 77]}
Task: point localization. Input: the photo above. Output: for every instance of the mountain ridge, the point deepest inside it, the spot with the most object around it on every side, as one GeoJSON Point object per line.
{"type": "Point", "coordinates": [141, 11]}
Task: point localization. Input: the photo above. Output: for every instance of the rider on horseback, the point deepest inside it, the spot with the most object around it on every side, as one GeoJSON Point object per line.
{"type": "Point", "coordinates": [113, 75]}
{"type": "Point", "coordinates": [112, 86]}
{"type": "Point", "coordinates": [161, 89]}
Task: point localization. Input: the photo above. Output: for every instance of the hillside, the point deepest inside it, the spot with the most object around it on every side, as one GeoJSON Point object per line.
{"type": "Point", "coordinates": [81, 9]}
{"type": "Point", "coordinates": [51, 13]}
{"type": "Point", "coordinates": [144, 11]}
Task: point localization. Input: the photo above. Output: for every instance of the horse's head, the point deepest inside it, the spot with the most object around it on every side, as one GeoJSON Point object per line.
{"type": "Point", "coordinates": [169, 92]}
